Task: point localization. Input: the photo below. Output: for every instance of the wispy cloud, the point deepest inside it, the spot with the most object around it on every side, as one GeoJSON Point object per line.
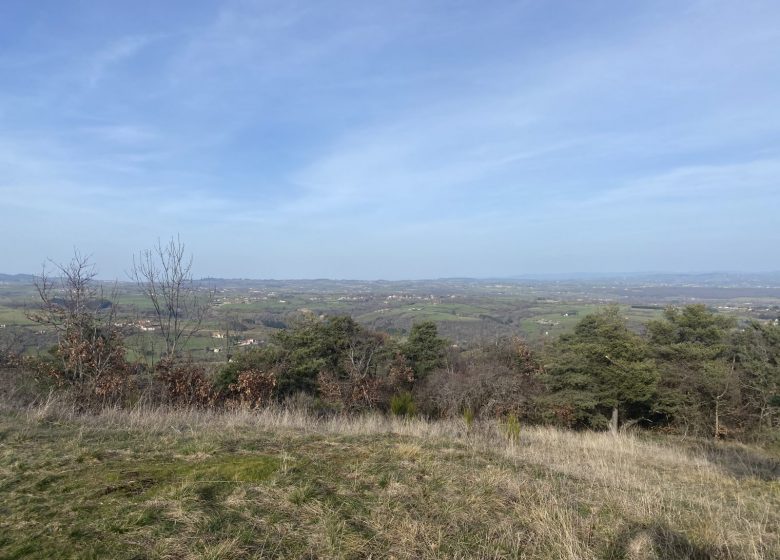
{"type": "Point", "coordinates": [700, 184]}
{"type": "Point", "coordinates": [465, 125]}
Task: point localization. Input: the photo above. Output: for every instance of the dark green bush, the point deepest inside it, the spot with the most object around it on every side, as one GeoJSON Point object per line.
{"type": "Point", "coordinates": [403, 405]}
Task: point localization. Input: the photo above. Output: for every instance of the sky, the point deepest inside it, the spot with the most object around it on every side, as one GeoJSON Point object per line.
{"type": "Point", "coordinates": [392, 139]}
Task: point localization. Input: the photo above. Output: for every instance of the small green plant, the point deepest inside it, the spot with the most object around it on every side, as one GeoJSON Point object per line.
{"type": "Point", "coordinates": [468, 418]}
{"type": "Point", "coordinates": [512, 428]}
{"type": "Point", "coordinates": [403, 405]}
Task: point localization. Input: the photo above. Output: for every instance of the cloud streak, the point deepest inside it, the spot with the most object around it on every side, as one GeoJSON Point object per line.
{"type": "Point", "coordinates": [393, 134]}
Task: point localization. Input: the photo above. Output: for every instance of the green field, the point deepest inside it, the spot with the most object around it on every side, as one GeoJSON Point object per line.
{"type": "Point", "coordinates": [465, 312]}
{"type": "Point", "coordinates": [428, 312]}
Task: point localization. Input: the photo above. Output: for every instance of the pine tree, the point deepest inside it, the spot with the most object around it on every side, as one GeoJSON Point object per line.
{"type": "Point", "coordinates": [698, 386]}
{"type": "Point", "coordinates": [424, 348]}
{"type": "Point", "coordinates": [602, 370]}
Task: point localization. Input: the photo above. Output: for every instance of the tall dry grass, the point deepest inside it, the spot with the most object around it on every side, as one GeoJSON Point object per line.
{"type": "Point", "coordinates": [668, 498]}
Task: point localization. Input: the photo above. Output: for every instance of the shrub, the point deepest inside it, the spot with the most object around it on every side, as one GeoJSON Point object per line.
{"type": "Point", "coordinates": [257, 359]}
{"type": "Point", "coordinates": [254, 388]}
{"type": "Point", "coordinates": [89, 360]}
{"type": "Point", "coordinates": [491, 380]}
{"type": "Point", "coordinates": [403, 405]}
{"type": "Point", "coordinates": [23, 381]}
{"type": "Point", "coordinates": [185, 383]}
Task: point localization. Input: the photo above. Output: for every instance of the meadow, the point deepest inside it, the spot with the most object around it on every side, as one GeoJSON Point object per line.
{"type": "Point", "coordinates": [282, 483]}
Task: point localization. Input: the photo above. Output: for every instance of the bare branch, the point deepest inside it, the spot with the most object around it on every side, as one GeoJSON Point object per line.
{"type": "Point", "coordinates": [180, 305]}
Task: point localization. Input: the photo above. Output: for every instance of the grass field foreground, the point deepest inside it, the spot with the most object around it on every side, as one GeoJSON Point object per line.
{"type": "Point", "coordinates": [282, 484]}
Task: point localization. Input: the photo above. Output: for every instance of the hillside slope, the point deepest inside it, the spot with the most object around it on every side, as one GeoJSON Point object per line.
{"type": "Point", "coordinates": [168, 484]}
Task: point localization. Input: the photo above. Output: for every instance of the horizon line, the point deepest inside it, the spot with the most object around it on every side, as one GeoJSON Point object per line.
{"type": "Point", "coordinates": [573, 275]}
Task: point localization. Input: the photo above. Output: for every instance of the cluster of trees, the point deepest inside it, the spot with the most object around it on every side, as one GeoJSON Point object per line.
{"type": "Point", "coordinates": [89, 358]}
{"type": "Point", "coordinates": [692, 370]}
{"type": "Point", "coordinates": [342, 364]}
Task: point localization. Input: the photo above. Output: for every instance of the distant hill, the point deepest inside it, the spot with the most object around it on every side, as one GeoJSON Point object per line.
{"type": "Point", "coordinates": [708, 279]}
{"type": "Point", "coordinates": [16, 278]}
{"type": "Point", "coordinates": [661, 278]}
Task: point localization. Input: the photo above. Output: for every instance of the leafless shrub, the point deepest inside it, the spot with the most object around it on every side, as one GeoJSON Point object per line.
{"type": "Point", "coordinates": [90, 352]}
{"type": "Point", "coordinates": [494, 380]}
{"type": "Point", "coordinates": [185, 384]}
{"type": "Point", "coordinates": [254, 387]}
{"type": "Point", "coordinates": [364, 388]}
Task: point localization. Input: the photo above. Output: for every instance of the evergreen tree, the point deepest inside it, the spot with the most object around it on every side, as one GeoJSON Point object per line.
{"type": "Point", "coordinates": [698, 385]}
{"type": "Point", "coordinates": [601, 371]}
{"type": "Point", "coordinates": [757, 351]}
{"type": "Point", "coordinates": [424, 348]}
{"type": "Point", "coordinates": [313, 346]}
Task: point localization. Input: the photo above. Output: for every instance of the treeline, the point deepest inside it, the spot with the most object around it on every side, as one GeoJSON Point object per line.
{"type": "Point", "coordinates": [692, 371]}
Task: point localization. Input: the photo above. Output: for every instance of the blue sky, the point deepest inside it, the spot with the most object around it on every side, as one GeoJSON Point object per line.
{"type": "Point", "coordinates": [392, 140]}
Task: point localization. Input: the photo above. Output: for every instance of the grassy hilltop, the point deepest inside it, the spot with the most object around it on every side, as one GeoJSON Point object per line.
{"type": "Point", "coordinates": [280, 484]}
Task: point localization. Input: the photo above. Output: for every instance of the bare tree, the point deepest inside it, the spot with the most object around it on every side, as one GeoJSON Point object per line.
{"type": "Point", "coordinates": [64, 298]}
{"type": "Point", "coordinates": [73, 304]}
{"type": "Point", "coordinates": [180, 304]}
